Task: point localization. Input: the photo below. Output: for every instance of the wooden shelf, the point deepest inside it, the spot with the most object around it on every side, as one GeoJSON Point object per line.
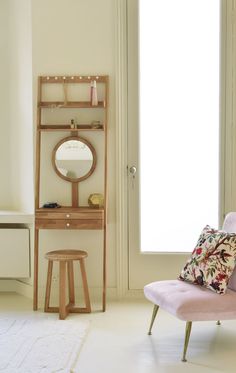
{"type": "Point", "coordinates": [65, 96]}
{"type": "Point", "coordinates": [68, 209]}
{"type": "Point", "coordinates": [66, 127]}
{"type": "Point", "coordinates": [74, 79]}
{"type": "Point", "coordinates": [71, 105]}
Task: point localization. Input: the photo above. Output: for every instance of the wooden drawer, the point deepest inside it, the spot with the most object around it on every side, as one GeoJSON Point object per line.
{"type": "Point", "coordinates": [68, 215]}
{"type": "Point", "coordinates": [69, 223]}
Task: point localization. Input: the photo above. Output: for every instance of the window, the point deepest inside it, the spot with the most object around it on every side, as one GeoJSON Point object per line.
{"type": "Point", "coordinates": [179, 121]}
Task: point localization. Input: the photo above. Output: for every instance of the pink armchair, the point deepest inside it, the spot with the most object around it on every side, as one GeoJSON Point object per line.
{"type": "Point", "coordinates": [190, 302]}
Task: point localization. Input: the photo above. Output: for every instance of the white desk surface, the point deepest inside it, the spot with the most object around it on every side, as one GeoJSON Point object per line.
{"type": "Point", "coordinates": [15, 217]}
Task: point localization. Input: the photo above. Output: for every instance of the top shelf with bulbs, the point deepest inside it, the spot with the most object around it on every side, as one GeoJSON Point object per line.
{"type": "Point", "coordinates": [72, 92]}
{"type": "Point", "coordinates": [74, 79]}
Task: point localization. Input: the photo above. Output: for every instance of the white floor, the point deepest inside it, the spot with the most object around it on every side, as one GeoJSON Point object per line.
{"type": "Point", "coordinates": [118, 342]}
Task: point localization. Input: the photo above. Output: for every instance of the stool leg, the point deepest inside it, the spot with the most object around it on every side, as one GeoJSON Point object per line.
{"type": "Point", "coordinates": [62, 291]}
{"type": "Point", "coordinates": [71, 282]}
{"type": "Point", "coordinates": [85, 286]}
{"type": "Point", "coordinates": [48, 286]}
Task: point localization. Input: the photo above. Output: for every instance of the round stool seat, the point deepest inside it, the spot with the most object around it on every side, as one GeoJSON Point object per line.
{"type": "Point", "coordinates": [66, 255]}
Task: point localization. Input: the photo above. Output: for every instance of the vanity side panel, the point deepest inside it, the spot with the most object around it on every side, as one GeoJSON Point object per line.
{"type": "Point", "coordinates": [14, 253]}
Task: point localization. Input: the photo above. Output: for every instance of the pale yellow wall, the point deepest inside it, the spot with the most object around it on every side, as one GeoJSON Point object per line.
{"type": "Point", "coordinates": [4, 108]}
{"type": "Point", "coordinates": [20, 104]}
{"type": "Point", "coordinates": [77, 37]}
{"type": "Point", "coordinates": [16, 145]}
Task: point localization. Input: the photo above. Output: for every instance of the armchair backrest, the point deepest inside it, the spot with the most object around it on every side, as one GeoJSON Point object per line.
{"type": "Point", "coordinates": [229, 226]}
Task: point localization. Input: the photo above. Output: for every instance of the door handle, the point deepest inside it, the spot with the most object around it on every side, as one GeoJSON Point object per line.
{"type": "Point", "coordinates": [133, 170]}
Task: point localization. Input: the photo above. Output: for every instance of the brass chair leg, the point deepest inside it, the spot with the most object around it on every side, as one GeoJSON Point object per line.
{"type": "Point", "coordinates": [187, 335]}
{"type": "Point", "coordinates": [218, 322]}
{"type": "Point", "coordinates": [154, 313]}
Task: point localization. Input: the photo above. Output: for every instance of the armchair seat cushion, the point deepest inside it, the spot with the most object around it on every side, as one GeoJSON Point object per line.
{"type": "Point", "coordinates": [190, 302]}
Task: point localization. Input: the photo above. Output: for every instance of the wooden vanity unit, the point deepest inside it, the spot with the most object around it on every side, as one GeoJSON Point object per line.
{"type": "Point", "coordinates": [73, 157]}
{"type": "Point", "coordinates": [69, 218]}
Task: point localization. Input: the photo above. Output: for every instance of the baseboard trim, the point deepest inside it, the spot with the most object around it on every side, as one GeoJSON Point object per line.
{"type": "Point", "coordinates": [8, 285]}
{"type": "Point", "coordinates": [134, 294]}
{"type": "Point", "coordinates": [26, 290]}
{"type": "Point", "coordinates": [16, 286]}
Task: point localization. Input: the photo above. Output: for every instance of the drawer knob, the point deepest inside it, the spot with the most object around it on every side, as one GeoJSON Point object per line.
{"type": "Point", "coordinates": [67, 224]}
{"type": "Point", "coordinates": [67, 215]}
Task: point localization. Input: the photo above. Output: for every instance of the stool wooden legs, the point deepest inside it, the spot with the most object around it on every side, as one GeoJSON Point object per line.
{"type": "Point", "coordinates": [71, 282]}
{"type": "Point", "coordinates": [62, 291]}
{"type": "Point", "coordinates": [85, 286]}
{"type": "Point", "coordinates": [64, 309]}
{"type": "Point", "coordinates": [48, 286]}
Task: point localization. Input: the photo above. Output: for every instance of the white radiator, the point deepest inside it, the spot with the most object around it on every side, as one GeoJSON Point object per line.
{"type": "Point", "coordinates": [14, 253]}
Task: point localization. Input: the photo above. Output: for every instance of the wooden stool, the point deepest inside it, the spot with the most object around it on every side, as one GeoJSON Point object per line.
{"type": "Point", "coordinates": [63, 257]}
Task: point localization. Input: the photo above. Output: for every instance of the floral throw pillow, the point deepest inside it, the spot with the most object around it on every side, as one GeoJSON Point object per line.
{"type": "Point", "coordinates": [212, 261]}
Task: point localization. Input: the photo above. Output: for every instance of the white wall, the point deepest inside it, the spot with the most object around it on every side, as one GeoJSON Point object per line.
{"type": "Point", "coordinates": [5, 191]}
{"type": "Point", "coordinates": [76, 37]}
{"type": "Point", "coordinates": [16, 160]}
{"type": "Point", "coordinates": [21, 105]}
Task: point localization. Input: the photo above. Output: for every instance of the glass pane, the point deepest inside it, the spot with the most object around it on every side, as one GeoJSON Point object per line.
{"type": "Point", "coordinates": [179, 121]}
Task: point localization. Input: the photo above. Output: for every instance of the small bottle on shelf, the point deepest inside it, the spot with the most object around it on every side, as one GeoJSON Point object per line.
{"type": "Point", "coordinates": [72, 123]}
{"type": "Point", "coordinates": [93, 93]}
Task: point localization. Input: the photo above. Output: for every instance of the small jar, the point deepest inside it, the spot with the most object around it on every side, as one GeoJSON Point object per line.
{"type": "Point", "coordinates": [72, 123]}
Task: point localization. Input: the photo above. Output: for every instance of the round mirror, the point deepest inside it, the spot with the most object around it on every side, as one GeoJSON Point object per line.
{"type": "Point", "coordinates": [74, 159]}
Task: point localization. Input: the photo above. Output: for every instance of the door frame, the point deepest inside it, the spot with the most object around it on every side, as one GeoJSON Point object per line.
{"type": "Point", "coordinates": [121, 72]}
{"type": "Point", "coordinates": [227, 131]}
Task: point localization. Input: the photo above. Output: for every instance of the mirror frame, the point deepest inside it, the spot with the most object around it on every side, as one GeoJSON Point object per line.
{"type": "Point", "coordinates": [77, 138]}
